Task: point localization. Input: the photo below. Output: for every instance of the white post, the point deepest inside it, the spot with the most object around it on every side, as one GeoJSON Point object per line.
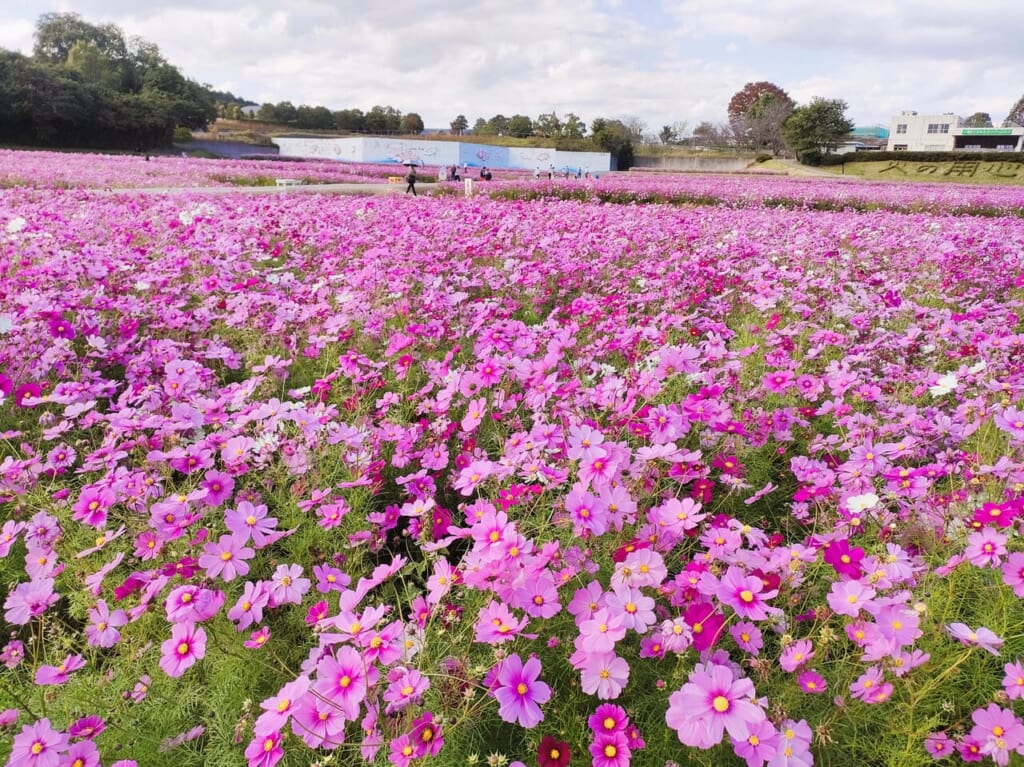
{"type": "Point", "coordinates": [469, 187]}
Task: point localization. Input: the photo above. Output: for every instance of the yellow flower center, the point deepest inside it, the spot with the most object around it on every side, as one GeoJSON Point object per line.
{"type": "Point", "coordinates": [720, 704]}
{"type": "Point", "coordinates": [747, 596]}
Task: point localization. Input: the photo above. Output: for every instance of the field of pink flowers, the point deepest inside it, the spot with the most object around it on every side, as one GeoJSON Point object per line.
{"type": "Point", "coordinates": [310, 479]}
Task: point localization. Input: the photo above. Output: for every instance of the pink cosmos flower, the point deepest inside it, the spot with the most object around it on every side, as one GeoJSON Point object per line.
{"type": "Point", "coordinates": [257, 638]}
{"type": "Point", "coordinates": [998, 730]}
{"type": "Point", "coordinates": [844, 560]}
{"type": "Point", "coordinates": [602, 630]}
{"type": "Point", "coordinates": [264, 750]}
{"type": "Point", "coordinates": [603, 674]}
{"type": "Point", "coordinates": [796, 655]}
{"type": "Point", "coordinates": [287, 586]}
{"type": "Point", "coordinates": [982, 637]}
{"type": "Point", "coordinates": [218, 486]}
{"type": "Point", "coordinates": [186, 646]}
{"type": "Point", "coordinates": [496, 624]}
{"type": "Point", "coordinates": [82, 754]}
{"type": "Point", "coordinates": [57, 675]}
{"type": "Point", "coordinates": [760, 745]}
{"type": "Point", "coordinates": [226, 558]}
{"type": "Point", "coordinates": [250, 521]}
{"type": "Point", "coordinates": [38, 745]}
{"type": "Point", "coordinates": [405, 686]}
{"type": "Point", "coordinates": [744, 594]}
{"type": "Point", "coordinates": [608, 718]}
{"type": "Point", "coordinates": [610, 750]}
{"type": "Point", "coordinates": [1013, 681]}
{"type": "Point", "coordinates": [986, 548]}
{"type": "Point", "coordinates": [278, 709]}
{"type": "Point", "coordinates": [520, 692]}
{"type": "Point", "coordinates": [102, 630]}
{"type": "Point", "coordinates": [711, 702]}
{"type": "Point", "coordinates": [29, 600]}
{"type": "Point", "coordinates": [849, 596]}
{"type": "Point", "coordinates": [344, 679]}
{"type": "Point", "coordinates": [748, 637]}
{"type": "Point", "coordinates": [1013, 573]}
{"type": "Point", "coordinates": [87, 727]}
{"type": "Point", "coordinates": [249, 607]}
{"type": "Point", "coordinates": [319, 723]}
{"type": "Point", "coordinates": [812, 682]}
{"type": "Point", "coordinates": [871, 687]}
{"type": "Point", "coordinates": [939, 745]}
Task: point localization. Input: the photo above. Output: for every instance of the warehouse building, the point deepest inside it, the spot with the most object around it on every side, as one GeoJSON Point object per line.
{"type": "Point", "coordinates": [912, 132]}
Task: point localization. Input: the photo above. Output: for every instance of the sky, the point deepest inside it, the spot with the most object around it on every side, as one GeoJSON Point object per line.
{"type": "Point", "coordinates": [656, 61]}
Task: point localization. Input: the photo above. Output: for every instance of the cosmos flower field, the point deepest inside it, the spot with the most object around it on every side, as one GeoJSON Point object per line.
{"type": "Point", "coordinates": [310, 479]}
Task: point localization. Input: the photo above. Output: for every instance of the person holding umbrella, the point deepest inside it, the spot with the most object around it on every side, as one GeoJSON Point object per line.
{"type": "Point", "coordinates": [410, 179]}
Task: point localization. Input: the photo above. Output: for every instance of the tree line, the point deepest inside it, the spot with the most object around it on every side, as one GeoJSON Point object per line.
{"type": "Point", "coordinates": [89, 86]}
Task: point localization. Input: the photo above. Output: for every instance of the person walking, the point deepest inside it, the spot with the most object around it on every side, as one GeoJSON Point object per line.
{"type": "Point", "coordinates": [410, 179]}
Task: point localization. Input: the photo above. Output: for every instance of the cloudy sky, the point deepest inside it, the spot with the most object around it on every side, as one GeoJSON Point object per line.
{"type": "Point", "coordinates": [660, 61]}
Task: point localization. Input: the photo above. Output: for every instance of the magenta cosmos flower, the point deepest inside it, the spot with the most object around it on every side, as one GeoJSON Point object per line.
{"type": "Point", "coordinates": [712, 701]}
{"type": "Point", "coordinates": [186, 646]}
{"type": "Point", "coordinates": [520, 691]}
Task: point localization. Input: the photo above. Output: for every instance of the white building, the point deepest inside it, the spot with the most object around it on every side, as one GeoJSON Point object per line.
{"type": "Point", "coordinates": [911, 132]}
{"type": "Point", "coordinates": [426, 152]}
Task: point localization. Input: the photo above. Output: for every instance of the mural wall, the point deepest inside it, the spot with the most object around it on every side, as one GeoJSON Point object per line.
{"type": "Point", "coordinates": [398, 151]}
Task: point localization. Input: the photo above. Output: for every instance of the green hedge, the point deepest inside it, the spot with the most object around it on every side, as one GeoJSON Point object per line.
{"type": "Point", "coordinates": [840, 159]}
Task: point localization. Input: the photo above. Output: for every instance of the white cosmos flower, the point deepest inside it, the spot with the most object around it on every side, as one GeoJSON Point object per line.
{"type": "Point", "coordinates": [858, 503]}
{"type": "Point", "coordinates": [944, 385]}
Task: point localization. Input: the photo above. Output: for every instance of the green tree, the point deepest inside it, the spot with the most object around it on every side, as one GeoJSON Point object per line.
{"type": "Point", "coordinates": [520, 126]}
{"type": "Point", "coordinates": [548, 125]}
{"type": "Point", "coordinates": [613, 136]}
{"type": "Point", "coordinates": [412, 123]}
{"type": "Point", "coordinates": [286, 112]}
{"type": "Point", "coordinates": [979, 120]}
{"type": "Point", "coordinates": [667, 135]}
{"type": "Point", "coordinates": [481, 127]}
{"type": "Point", "coordinates": [314, 117]}
{"type": "Point", "coordinates": [350, 120]}
{"type": "Point", "coordinates": [94, 67]}
{"type": "Point", "coordinates": [573, 127]}
{"type": "Point", "coordinates": [816, 128]}
{"type": "Point", "coordinates": [57, 33]}
{"type": "Point", "coordinates": [497, 125]}
{"type": "Point", "coordinates": [383, 120]}
{"type": "Point", "coordinates": [459, 125]}
{"type": "Point", "coordinates": [267, 113]}
{"type": "Point", "coordinates": [1016, 115]}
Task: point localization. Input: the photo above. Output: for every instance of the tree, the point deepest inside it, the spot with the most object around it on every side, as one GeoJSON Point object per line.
{"type": "Point", "coordinates": [481, 127]}
{"type": "Point", "coordinates": [383, 120]}
{"type": "Point", "coordinates": [267, 113]}
{"type": "Point", "coordinates": [459, 125]}
{"type": "Point", "coordinates": [667, 135]}
{"type": "Point", "coordinates": [756, 114]}
{"type": "Point", "coordinates": [613, 136]}
{"type": "Point", "coordinates": [314, 118]}
{"type": "Point", "coordinates": [816, 128]}
{"type": "Point", "coordinates": [634, 127]}
{"type": "Point", "coordinates": [520, 126]}
{"type": "Point", "coordinates": [979, 120]}
{"type": "Point", "coordinates": [548, 125]}
{"type": "Point", "coordinates": [57, 33]}
{"type": "Point", "coordinates": [286, 112]}
{"type": "Point", "coordinates": [412, 123]}
{"type": "Point", "coordinates": [497, 125]}
{"type": "Point", "coordinates": [350, 120]}
{"type": "Point", "coordinates": [573, 127]}
{"type": "Point", "coordinates": [1016, 115]}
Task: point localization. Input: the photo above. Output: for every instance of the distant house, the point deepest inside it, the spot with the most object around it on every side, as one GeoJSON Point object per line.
{"type": "Point", "coordinates": [912, 132]}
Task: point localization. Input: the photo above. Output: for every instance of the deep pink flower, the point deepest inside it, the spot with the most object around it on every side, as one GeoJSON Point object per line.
{"type": "Point", "coordinates": [520, 692]}
{"type": "Point", "coordinates": [608, 718]}
{"type": "Point", "coordinates": [939, 745]}
{"type": "Point", "coordinates": [998, 730]}
{"type": "Point", "coordinates": [610, 750]}
{"type": "Point", "coordinates": [264, 750]}
{"type": "Point", "coordinates": [812, 682]}
{"type": "Point", "coordinates": [744, 594]}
